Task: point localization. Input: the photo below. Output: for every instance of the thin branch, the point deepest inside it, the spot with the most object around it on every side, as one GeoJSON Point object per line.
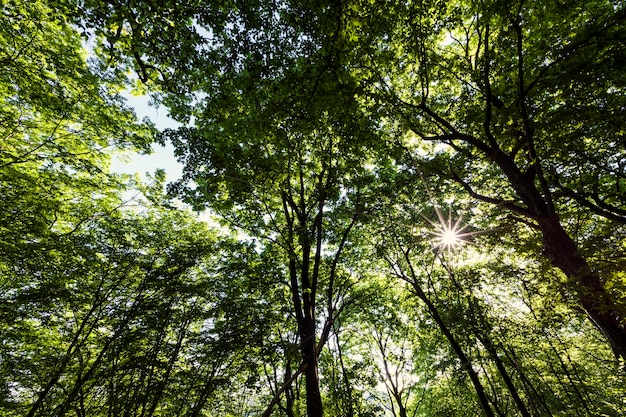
{"type": "Point", "coordinates": [510, 205]}
{"type": "Point", "coordinates": [528, 129]}
{"type": "Point", "coordinates": [600, 207]}
{"type": "Point", "coordinates": [285, 387]}
{"type": "Point", "coordinates": [488, 95]}
{"type": "Point", "coordinates": [525, 221]}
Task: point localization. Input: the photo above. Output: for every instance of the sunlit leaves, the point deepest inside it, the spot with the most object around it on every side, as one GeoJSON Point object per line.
{"type": "Point", "coordinates": [353, 143]}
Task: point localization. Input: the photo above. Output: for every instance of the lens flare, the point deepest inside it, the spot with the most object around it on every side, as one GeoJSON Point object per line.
{"type": "Point", "coordinates": [448, 235]}
{"type": "Point", "coordinates": [449, 238]}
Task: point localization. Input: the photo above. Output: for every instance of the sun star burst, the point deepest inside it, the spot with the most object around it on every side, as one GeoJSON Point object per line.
{"type": "Point", "coordinates": [448, 235]}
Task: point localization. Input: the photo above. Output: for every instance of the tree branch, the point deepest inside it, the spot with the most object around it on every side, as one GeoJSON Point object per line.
{"type": "Point", "coordinates": [600, 207]}
{"type": "Point", "coordinates": [510, 205]}
{"type": "Point", "coordinates": [488, 95]}
{"type": "Point", "coordinates": [528, 129]}
{"type": "Point", "coordinates": [286, 385]}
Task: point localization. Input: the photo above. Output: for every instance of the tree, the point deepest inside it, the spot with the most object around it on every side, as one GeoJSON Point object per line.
{"type": "Point", "coordinates": [59, 122]}
{"type": "Point", "coordinates": [293, 184]}
{"type": "Point", "coordinates": [289, 110]}
{"type": "Point", "coordinates": [137, 314]}
{"type": "Point", "coordinates": [490, 80]}
{"type": "Point", "coordinates": [298, 176]}
{"type": "Point", "coordinates": [401, 358]}
{"type": "Point", "coordinates": [83, 300]}
{"type": "Point", "coordinates": [520, 94]}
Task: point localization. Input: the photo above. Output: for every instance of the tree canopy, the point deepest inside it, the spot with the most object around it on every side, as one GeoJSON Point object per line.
{"type": "Point", "coordinates": [419, 209]}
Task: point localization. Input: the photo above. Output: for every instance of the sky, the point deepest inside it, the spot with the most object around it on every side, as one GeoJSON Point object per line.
{"type": "Point", "coordinates": [161, 157]}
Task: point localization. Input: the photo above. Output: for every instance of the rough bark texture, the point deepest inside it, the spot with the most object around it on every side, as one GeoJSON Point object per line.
{"type": "Point", "coordinates": [563, 252]}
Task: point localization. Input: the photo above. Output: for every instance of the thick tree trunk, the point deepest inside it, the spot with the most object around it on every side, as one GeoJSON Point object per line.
{"type": "Point", "coordinates": [304, 306]}
{"type": "Point", "coordinates": [313, 396]}
{"type": "Point", "coordinates": [563, 253]}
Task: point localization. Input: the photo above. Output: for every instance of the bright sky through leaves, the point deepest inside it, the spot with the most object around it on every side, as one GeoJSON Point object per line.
{"type": "Point", "coordinates": [161, 156]}
{"type": "Point", "coordinates": [448, 234]}
{"type": "Point", "coordinates": [289, 269]}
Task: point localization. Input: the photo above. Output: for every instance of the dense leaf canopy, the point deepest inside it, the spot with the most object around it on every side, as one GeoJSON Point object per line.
{"type": "Point", "coordinates": [417, 209]}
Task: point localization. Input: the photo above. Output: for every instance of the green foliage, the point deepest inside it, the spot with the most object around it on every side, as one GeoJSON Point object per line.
{"type": "Point", "coordinates": [59, 123]}
{"type": "Point", "coordinates": [334, 140]}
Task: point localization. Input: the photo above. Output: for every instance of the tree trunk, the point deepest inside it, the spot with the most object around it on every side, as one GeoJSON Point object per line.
{"type": "Point", "coordinates": [288, 393]}
{"type": "Point", "coordinates": [493, 352]}
{"type": "Point", "coordinates": [465, 361]}
{"type": "Point", "coordinates": [309, 355]}
{"type": "Point", "coordinates": [304, 306]}
{"type": "Point", "coordinates": [346, 380]}
{"type": "Point", "coordinates": [563, 253]}
{"type": "Point", "coordinates": [532, 394]}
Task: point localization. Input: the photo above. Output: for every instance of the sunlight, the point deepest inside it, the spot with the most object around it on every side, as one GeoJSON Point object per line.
{"type": "Point", "coordinates": [449, 238]}
{"type": "Point", "coordinates": [448, 235]}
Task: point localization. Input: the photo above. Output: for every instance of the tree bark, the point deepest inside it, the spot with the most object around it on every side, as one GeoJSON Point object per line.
{"type": "Point", "coordinates": [304, 306]}
{"type": "Point", "coordinates": [309, 355]}
{"type": "Point", "coordinates": [563, 252]}
{"type": "Point", "coordinates": [559, 247]}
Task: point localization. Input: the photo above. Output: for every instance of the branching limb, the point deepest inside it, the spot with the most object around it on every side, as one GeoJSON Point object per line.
{"type": "Point", "coordinates": [597, 206]}
{"type": "Point", "coordinates": [510, 205]}
{"type": "Point", "coordinates": [449, 131]}
{"type": "Point", "coordinates": [525, 221]}
{"type": "Point", "coordinates": [526, 119]}
{"type": "Point", "coordinates": [286, 385]}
